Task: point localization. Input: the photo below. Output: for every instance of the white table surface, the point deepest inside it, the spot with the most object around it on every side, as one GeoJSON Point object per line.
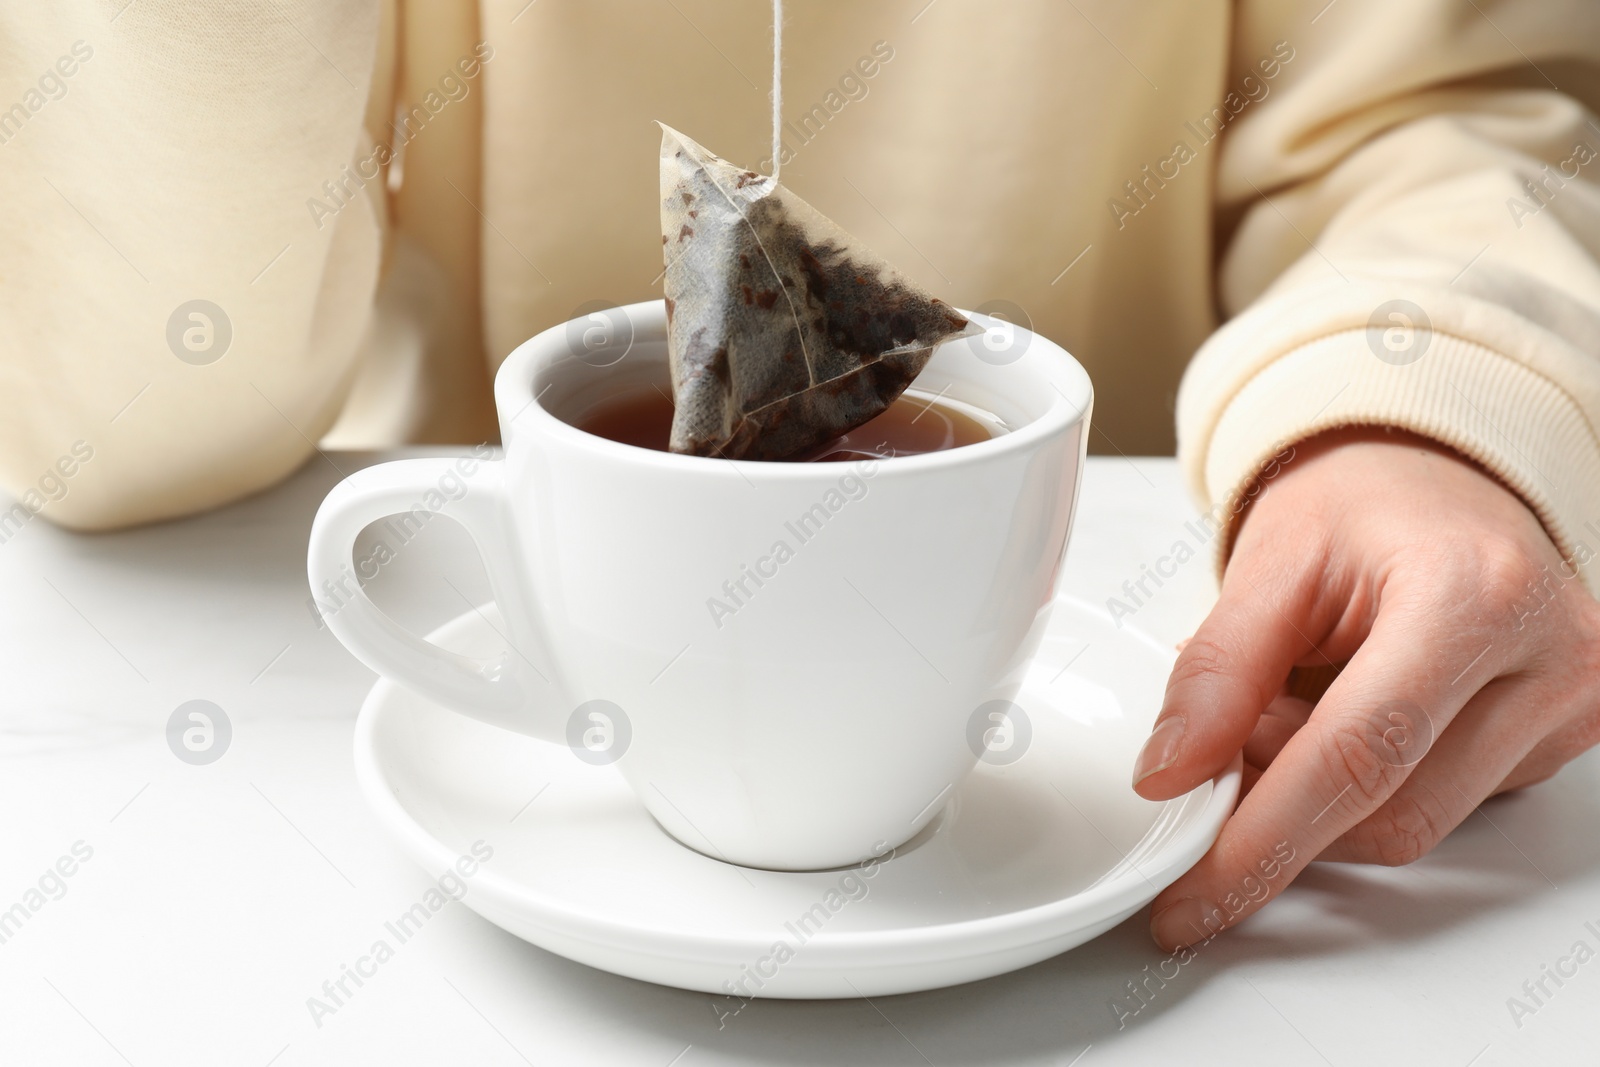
{"type": "Point", "coordinates": [218, 898]}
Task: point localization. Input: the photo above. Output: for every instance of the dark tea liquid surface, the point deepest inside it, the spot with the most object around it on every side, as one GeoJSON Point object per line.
{"type": "Point", "coordinates": [912, 424]}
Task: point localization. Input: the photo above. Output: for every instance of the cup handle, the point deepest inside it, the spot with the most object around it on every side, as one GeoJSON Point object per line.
{"type": "Point", "coordinates": [507, 692]}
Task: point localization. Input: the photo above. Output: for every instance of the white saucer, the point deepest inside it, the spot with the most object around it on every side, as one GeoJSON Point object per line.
{"type": "Point", "coordinates": [1027, 860]}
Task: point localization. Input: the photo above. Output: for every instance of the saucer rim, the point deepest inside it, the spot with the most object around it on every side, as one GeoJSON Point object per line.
{"type": "Point", "coordinates": [827, 950]}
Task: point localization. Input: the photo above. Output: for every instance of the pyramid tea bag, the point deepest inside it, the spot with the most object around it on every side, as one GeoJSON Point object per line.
{"type": "Point", "coordinates": [783, 331]}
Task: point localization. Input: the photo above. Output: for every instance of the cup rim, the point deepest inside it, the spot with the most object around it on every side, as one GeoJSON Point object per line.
{"type": "Point", "coordinates": [518, 407]}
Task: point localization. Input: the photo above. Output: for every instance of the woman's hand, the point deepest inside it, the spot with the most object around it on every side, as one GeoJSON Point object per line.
{"type": "Point", "coordinates": [1471, 665]}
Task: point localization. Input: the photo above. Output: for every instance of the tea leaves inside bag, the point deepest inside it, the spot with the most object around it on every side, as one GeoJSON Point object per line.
{"type": "Point", "coordinates": [783, 330]}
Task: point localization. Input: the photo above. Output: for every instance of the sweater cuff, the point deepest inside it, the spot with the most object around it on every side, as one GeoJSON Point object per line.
{"type": "Point", "coordinates": [1513, 421]}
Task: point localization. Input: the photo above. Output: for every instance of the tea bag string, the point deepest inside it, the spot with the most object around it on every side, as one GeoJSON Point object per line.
{"type": "Point", "coordinates": [777, 83]}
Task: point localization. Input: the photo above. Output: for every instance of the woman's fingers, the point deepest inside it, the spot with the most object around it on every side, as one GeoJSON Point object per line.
{"type": "Point", "coordinates": [1225, 677]}
{"type": "Point", "coordinates": [1356, 751]}
{"type": "Point", "coordinates": [1282, 720]}
{"type": "Point", "coordinates": [1575, 737]}
{"type": "Point", "coordinates": [1486, 741]}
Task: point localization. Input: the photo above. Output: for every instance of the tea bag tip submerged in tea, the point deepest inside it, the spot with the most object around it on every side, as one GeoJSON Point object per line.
{"type": "Point", "coordinates": [783, 331]}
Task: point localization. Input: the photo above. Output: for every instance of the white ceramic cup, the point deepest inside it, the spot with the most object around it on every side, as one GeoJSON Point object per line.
{"type": "Point", "coordinates": [794, 707]}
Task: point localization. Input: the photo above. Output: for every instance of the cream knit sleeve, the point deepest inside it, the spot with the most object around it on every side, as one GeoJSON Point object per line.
{"type": "Point", "coordinates": [177, 324]}
{"type": "Point", "coordinates": [1410, 218]}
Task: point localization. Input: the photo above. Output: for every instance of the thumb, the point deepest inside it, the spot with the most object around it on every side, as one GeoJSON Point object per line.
{"type": "Point", "coordinates": [1225, 676]}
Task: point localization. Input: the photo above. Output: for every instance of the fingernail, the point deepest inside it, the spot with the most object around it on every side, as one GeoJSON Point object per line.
{"type": "Point", "coordinates": [1183, 922]}
{"type": "Point", "coordinates": [1160, 751]}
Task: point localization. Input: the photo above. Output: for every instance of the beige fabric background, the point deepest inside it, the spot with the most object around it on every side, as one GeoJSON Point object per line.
{"type": "Point", "coordinates": [1381, 159]}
